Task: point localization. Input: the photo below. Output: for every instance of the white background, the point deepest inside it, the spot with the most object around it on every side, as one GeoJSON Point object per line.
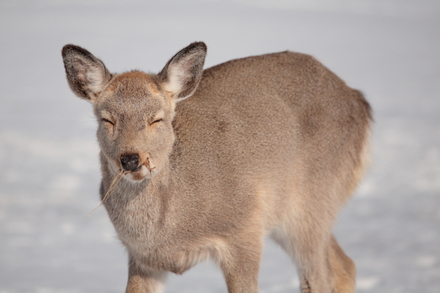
{"type": "Point", "coordinates": [49, 172]}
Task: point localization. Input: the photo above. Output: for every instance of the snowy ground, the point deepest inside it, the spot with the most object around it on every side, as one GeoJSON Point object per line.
{"type": "Point", "coordinates": [49, 170]}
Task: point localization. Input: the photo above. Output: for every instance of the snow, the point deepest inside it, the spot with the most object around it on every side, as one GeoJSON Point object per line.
{"type": "Point", "coordinates": [49, 174]}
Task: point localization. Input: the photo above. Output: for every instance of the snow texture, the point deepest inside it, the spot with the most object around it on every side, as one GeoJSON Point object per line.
{"type": "Point", "coordinates": [49, 175]}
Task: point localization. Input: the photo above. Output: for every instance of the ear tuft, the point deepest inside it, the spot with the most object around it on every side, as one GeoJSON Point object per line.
{"type": "Point", "coordinates": [86, 74]}
{"type": "Point", "coordinates": [181, 75]}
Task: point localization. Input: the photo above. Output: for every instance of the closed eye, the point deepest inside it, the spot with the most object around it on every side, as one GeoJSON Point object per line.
{"type": "Point", "coordinates": [156, 121]}
{"type": "Point", "coordinates": [107, 121]}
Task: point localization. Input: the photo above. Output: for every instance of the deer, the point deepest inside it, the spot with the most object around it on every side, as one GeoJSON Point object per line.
{"type": "Point", "coordinates": [211, 162]}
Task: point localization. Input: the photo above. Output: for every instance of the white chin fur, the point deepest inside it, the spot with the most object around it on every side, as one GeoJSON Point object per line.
{"type": "Point", "coordinates": [135, 176]}
{"type": "Point", "coordinates": [140, 175]}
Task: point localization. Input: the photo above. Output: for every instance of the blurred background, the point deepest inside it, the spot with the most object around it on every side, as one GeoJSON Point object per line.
{"type": "Point", "coordinates": [49, 172]}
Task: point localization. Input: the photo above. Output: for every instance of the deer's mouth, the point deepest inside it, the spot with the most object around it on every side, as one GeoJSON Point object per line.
{"type": "Point", "coordinates": [138, 174]}
{"type": "Point", "coordinates": [142, 171]}
{"type": "Point", "coordinates": [137, 169]}
{"type": "Point", "coordinates": [145, 170]}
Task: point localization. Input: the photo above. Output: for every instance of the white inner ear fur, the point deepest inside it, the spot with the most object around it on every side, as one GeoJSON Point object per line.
{"type": "Point", "coordinates": [176, 79]}
{"type": "Point", "coordinates": [95, 78]}
{"type": "Point", "coordinates": [178, 74]}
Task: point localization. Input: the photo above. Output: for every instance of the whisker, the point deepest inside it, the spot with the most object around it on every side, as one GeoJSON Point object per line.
{"type": "Point", "coordinates": [113, 185]}
{"type": "Point", "coordinates": [150, 169]}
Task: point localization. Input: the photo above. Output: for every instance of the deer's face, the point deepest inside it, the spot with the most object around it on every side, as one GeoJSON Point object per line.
{"type": "Point", "coordinates": [135, 131]}
{"type": "Point", "coordinates": [134, 109]}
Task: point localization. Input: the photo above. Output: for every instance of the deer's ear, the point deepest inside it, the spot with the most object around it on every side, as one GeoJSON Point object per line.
{"type": "Point", "coordinates": [181, 75]}
{"type": "Point", "coordinates": [86, 74]}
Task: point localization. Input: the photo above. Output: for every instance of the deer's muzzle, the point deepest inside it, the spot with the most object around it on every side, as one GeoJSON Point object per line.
{"type": "Point", "coordinates": [130, 162]}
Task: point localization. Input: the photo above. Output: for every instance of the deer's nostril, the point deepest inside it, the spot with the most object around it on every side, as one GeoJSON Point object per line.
{"type": "Point", "coordinates": [129, 162]}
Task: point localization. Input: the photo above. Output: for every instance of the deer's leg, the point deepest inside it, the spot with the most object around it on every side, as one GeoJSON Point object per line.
{"type": "Point", "coordinates": [344, 270]}
{"type": "Point", "coordinates": [313, 268]}
{"type": "Point", "coordinates": [306, 240]}
{"type": "Point", "coordinates": [144, 281]}
{"type": "Point", "coordinates": [322, 265]}
{"type": "Point", "coordinates": [335, 272]}
{"type": "Point", "coordinates": [241, 268]}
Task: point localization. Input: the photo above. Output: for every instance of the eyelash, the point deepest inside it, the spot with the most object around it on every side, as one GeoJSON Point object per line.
{"type": "Point", "coordinates": [107, 121]}
{"type": "Point", "coordinates": [110, 122]}
{"type": "Point", "coordinates": [156, 121]}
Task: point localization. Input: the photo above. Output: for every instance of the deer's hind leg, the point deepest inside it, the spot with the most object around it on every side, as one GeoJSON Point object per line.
{"type": "Point", "coordinates": [322, 265]}
{"type": "Point", "coordinates": [344, 269]}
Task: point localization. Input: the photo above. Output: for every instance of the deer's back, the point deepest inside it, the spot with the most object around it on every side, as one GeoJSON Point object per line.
{"type": "Point", "coordinates": [271, 124]}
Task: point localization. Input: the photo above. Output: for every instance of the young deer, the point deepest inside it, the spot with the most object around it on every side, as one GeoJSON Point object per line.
{"type": "Point", "coordinates": [271, 145]}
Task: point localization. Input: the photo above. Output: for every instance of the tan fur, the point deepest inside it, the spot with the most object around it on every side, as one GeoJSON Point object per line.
{"type": "Point", "coordinates": [270, 145]}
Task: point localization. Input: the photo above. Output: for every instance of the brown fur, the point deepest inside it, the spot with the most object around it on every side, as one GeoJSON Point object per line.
{"type": "Point", "coordinates": [270, 145]}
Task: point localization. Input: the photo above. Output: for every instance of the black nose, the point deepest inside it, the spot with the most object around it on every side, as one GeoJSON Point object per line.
{"type": "Point", "coordinates": [129, 161]}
